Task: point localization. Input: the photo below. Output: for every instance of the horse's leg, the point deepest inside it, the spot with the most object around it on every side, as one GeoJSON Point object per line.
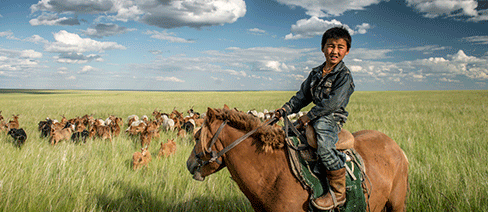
{"type": "Point", "coordinates": [398, 197]}
{"type": "Point", "coordinates": [400, 188]}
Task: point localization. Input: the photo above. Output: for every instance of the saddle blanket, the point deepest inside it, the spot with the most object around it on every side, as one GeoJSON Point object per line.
{"type": "Point", "coordinates": [303, 163]}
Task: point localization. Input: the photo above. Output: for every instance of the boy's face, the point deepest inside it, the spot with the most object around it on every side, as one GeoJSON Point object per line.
{"type": "Point", "coordinates": [335, 50]}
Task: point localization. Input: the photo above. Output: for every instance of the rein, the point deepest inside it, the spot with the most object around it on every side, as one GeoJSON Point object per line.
{"type": "Point", "coordinates": [215, 155]}
{"type": "Point", "coordinates": [289, 125]}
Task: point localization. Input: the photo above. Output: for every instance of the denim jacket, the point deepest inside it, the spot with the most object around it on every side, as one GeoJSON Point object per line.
{"type": "Point", "coordinates": [330, 93]}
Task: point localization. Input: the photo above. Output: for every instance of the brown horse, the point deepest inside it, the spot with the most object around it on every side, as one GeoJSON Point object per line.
{"type": "Point", "coordinates": [260, 166]}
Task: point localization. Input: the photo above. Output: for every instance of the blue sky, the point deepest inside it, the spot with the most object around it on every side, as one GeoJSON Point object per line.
{"type": "Point", "coordinates": [239, 45]}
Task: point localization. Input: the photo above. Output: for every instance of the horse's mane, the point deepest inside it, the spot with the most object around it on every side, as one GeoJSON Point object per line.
{"type": "Point", "coordinates": [268, 137]}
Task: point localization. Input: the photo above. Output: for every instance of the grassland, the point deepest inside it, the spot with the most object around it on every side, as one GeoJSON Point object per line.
{"type": "Point", "coordinates": [443, 134]}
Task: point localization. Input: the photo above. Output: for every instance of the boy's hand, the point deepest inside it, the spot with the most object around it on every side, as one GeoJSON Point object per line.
{"type": "Point", "coordinates": [303, 120]}
{"type": "Point", "coordinates": [279, 112]}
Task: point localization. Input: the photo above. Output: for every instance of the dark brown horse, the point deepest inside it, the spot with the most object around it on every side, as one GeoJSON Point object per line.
{"type": "Point", "coordinates": [260, 167]}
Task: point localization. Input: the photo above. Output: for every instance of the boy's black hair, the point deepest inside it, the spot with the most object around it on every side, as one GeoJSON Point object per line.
{"type": "Point", "coordinates": [336, 33]}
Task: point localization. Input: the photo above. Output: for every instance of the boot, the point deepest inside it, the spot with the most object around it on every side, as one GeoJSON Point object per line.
{"type": "Point", "coordinates": [337, 192]}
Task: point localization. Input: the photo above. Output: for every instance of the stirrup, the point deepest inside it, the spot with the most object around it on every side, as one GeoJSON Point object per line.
{"type": "Point", "coordinates": [334, 200]}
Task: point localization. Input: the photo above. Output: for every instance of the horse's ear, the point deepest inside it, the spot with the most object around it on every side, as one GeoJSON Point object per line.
{"type": "Point", "coordinates": [211, 113]}
{"type": "Point", "coordinates": [226, 107]}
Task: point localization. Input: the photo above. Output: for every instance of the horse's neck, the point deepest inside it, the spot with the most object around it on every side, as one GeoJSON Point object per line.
{"type": "Point", "coordinates": [265, 178]}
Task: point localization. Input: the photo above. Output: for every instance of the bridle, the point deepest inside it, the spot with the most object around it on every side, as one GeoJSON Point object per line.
{"type": "Point", "coordinates": [214, 156]}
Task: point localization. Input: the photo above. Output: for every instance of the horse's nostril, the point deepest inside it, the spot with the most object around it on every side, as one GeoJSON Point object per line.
{"type": "Point", "coordinates": [191, 166]}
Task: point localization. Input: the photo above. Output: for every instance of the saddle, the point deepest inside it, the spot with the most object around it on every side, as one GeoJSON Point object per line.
{"type": "Point", "coordinates": [303, 160]}
{"type": "Point", "coordinates": [346, 139]}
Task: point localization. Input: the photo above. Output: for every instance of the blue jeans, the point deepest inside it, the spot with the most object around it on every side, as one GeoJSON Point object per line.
{"type": "Point", "coordinates": [327, 130]}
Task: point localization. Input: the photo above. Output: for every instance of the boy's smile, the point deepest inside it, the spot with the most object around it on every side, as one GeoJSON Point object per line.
{"type": "Point", "coordinates": [334, 51]}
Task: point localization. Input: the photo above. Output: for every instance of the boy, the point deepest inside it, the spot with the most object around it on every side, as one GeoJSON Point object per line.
{"type": "Point", "coordinates": [329, 87]}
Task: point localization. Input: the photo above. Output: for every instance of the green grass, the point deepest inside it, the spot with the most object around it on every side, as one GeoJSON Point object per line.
{"type": "Point", "coordinates": [443, 134]}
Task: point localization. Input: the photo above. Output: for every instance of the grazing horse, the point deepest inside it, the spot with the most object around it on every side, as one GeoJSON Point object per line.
{"type": "Point", "coordinates": [256, 157]}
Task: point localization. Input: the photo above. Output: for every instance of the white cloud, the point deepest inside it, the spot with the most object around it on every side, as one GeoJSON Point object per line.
{"type": "Point", "coordinates": [477, 73]}
{"type": "Point", "coordinates": [6, 33]}
{"type": "Point", "coordinates": [70, 42]}
{"type": "Point", "coordinates": [362, 29]}
{"type": "Point", "coordinates": [324, 8]}
{"type": "Point", "coordinates": [62, 70]}
{"type": "Point", "coordinates": [104, 30]}
{"type": "Point", "coordinates": [418, 76]}
{"type": "Point", "coordinates": [482, 16]}
{"type": "Point", "coordinates": [126, 11]}
{"type": "Point", "coordinates": [308, 28]}
{"type": "Point", "coordinates": [36, 39]}
{"type": "Point", "coordinates": [161, 13]}
{"type": "Point", "coordinates": [217, 80]}
{"type": "Point", "coordinates": [297, 77]}
{"type": "Point", "coordinates": [156, 52]}
{"type": "Point", "coordinates": [196, 14]}
{"type": "Point", "coordinates": [428, 49]}
{"type": "Point", "coordinates": [169, 79]}
{"type": "Point", "coordinates": [78, 6]}
{"type": "Point", "coordinates": [256, 31]}
{"type": "Point", "coordinates": [477, 39]}
{"type": "Point", "coordinates": [169, 36]}
{"type": "Point", "coordinates": [460, 56]}
{"type": "Point", "coordinates": [7, 67]}
{"type": "Point", "coordinates": [9, 35]}
{"type": "Point", "coordinates": [355, 68]}
{"type": "Point", "coordinates": [444, 69]}
{"type": "Point", "coordinates": [369, 54]}
{"type": "Point", "coordinates": [276, 66]}
{"type": "Point", "coordinates": [367, 65]}
{"type": "Point", "coordinates": [73, 57]}
{"type": "Point", "coordinates": [443, 79]}
{"type": "Point", "coordinates": [87, 69]}
{"type": "Point", "coordinates": [234, 61]}
{"type": "Point", "coordinates": [314, 26]}
{"type": "Point", "coordinates": [121, 10]}
{"type": "Point", "coordinates": [30, 54]}
{"type": "Point", "coordinates": [18, 63]}
{"type": "Point", "coordinates": [260, 77]}
{"type": "Point", "coordinates": [234, 72]}
{"type": "Point", "coordinates": [52, 19]}
{"type": "Point", "coordinates": [436, 8]}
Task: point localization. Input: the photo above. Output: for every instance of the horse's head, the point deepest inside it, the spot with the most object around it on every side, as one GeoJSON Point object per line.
{"type": "Point", "coordinates": [202, 161]}
{"type": "Point", "coordinates": [222, 131]}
